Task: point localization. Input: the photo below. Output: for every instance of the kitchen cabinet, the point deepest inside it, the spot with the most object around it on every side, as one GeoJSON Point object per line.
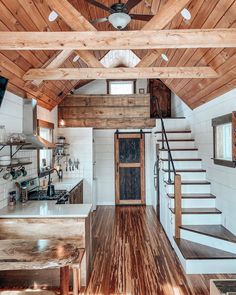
{"type": "Point", "coordinates": [76, 194]}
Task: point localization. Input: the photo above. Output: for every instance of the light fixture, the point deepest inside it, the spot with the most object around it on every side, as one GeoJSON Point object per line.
{"type": "Point", "coordinates": [62, 123]}
{"type": "Point", "coordinates": [186, 14]}
{"type": "Point", "coordinates": [76, 58]}
{"type": "Point", "coordinates": [119, 20]}
{"type": "Point", "coordinates": [164, 57]}
{"type": "Point", "coordinates": [52, 16]}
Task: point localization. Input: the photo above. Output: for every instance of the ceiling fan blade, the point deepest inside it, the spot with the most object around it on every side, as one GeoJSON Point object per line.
{"type": "Point", "coordinates": [144, 17]}
{"type": "Point", "coordinates": [98, 4]}
{"type": "Point", "coordinates": [99, 20]}
{"type": "Point", "coordinates": [131, 3]}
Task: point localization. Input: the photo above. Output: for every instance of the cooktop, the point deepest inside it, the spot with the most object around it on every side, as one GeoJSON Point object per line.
{"type": "Point", "coordinates": [61, 196]}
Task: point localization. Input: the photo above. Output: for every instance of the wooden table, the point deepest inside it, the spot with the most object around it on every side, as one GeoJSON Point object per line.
{"type": "Point", "coordinates": [19, 254]}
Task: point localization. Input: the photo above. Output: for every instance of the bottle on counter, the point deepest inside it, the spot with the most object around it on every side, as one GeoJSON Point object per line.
{"type": "Point", "coordinates": [12, 198]}
{"type": "Point", "coordinates": [60, 173]}
{"type": "Point", "coordinates": [24, 192]}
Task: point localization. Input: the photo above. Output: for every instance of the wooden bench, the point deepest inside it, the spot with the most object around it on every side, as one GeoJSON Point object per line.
{"type": "Point", "coordinates": [19, 254]}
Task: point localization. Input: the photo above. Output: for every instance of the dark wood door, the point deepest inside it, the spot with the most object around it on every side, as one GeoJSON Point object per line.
{"type": "Point", "coordinates": [158, 90]}
{"type": "Point", "coordinates": [130, 168]}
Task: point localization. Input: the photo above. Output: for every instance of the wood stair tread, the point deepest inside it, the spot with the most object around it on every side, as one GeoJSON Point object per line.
{"type": "Point", "coordinates": [190, 182]}
{"type": "Point", "coordinates": [194, 196]}
{"type": "Point", "coordinates": [174, 131]}
{"type": "Point", "coordinates": [191, 250]}
{"type": "Point", "coordinates": [188, 139]}
{"type": "Point", "coordinates": [179, 150]}
{"type": "Point", "coordinates": [217, 231]}
{"type": "Point", "coordinates": [185, 170]}
{"type": "Point", "coordinates": [198, 211]}
{"type": "Point", "coordinates": [184, 159]}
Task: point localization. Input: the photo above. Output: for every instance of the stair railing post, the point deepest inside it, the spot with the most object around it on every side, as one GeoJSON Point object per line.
{"type": "Point", "coordinates": [169, 168]}
{"type": "Point", "coordinates": [178, 205]}
{"type": "Point", "coordinates": [162, 138]}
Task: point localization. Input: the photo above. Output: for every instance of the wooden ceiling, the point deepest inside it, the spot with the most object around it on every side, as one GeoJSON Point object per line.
{"type": "Point", "coordinates": [28, 15]}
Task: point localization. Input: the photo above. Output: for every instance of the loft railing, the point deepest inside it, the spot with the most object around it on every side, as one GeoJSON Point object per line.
{"type": "Point", "coordinates": [177, 177]}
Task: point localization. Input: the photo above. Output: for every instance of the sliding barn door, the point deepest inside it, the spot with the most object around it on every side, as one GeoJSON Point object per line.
{"type": "Point", "coordinates": [130, 168]}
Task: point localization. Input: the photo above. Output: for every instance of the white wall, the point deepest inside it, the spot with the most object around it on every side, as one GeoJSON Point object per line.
{"type": "Point", "coordinates": [104, 170]}
{"type": "Point", "coordinates": [223, 179]}
{"type": "Point", "coordinates": [100, 87]}
{"type": "Point", "coordinates": [49, 116]}
{"type": "Point", "coordinates": [81, 147]}
{"type": "Point", "coordinates": [11, 115]}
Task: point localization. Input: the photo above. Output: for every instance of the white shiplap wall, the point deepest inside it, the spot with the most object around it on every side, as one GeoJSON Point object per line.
{"type": "Point", "coordinates": [223, 179]}
{"type": "Point", "coordinates": [81, 147]}
{"type": "Point", "coordinates": [11, 115]}
{"type": "Point", "coordinates": [104, 169]}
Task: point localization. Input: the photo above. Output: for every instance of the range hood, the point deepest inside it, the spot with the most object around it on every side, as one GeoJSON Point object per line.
{"type": "Point", "coordinates": [30, 126]}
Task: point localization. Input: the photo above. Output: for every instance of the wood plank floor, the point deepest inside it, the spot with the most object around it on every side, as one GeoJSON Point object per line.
{"type": "Point", "coordinates": [133, 256]}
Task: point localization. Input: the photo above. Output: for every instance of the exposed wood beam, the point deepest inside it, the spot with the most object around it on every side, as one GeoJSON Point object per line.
{"type": "Point", "coordinates": [120, 73]}
{"type": "Point", "coordinates": [77, 22]}
{"type": "Point", "coordinates": [195, 38]}
{"type": "Point", "coordinates": [71, 16]}
{"type": "Point", "coordinates": [55, 62]}
{"type": "Point", "coordinates": [165, 15]}
{"type": "Point", "coordinates": [158, 22]}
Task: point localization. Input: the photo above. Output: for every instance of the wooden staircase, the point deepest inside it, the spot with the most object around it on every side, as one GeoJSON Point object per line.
{"type": "Point", "coordinates": [204, 246]}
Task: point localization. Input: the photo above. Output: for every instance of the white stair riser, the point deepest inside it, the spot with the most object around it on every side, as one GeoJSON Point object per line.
{"type": "Point", "coordinates": [188, 175]}
{"type": "Point", "coordinates": [179, 144]}
{"type": "Point", "coordinates": [179, 154]}
{"type": "Point", "coordinates": [195, 203]}
{"type": "Point", "coordinates": [206, 266]}
{"type": "Point", "coordinates": [208, 241]}
{"type": "Point", "coordinates": [197, 219]}
{"type": "Point", "coordinates": [191, 189]}
{"type": "Point", "coordinates": [175, 135]}
{"type": "Point", "coordinates": [173, 124]}
{"type": "Point", "coordinates": [179, 165]}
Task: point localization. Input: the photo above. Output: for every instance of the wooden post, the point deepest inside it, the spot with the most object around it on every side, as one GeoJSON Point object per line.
{"type": "Point", "coordinates": [178, 205]}
{"type": "Point", "coordinates": [64, 280]}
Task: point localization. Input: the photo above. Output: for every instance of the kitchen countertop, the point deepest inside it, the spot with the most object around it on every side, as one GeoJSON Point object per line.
{"type": "Point", "coordinates": [46, 209]}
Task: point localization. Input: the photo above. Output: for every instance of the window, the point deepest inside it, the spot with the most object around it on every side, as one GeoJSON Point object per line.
{"type": "Point", "coordinates": [45, 157]}
{"type": "Point", "coordinates": [121, 87]}
{"type": "Point", "coordinates": [223, 140]}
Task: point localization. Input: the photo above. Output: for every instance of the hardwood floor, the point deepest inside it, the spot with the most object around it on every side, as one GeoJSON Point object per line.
{"type": "Point", "coordinates": [133, 256]}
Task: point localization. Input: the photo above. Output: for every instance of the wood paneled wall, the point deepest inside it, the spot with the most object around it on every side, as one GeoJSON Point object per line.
{"type": "Point", "coordinates": [106, 111]}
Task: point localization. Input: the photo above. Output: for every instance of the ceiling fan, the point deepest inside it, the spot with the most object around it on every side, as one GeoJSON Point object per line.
{"type": "Point", "coordinates": [119, 13]}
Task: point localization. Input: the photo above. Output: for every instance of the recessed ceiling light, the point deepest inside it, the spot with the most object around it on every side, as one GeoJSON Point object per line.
{"type": "Point", "coordinates": [52, 16]}
{"type": "Point", "coordinates": [76, 58]}
{"type": "Point", "coordinates": [186, 14]}
{"type": "Point", "coordinates": [164, 57]}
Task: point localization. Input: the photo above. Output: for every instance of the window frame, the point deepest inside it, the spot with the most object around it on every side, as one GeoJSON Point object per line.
{"type": "Point", "coordinates": [46, 125]}
{"type": "Point", "coordinates": [221, 120]}
{"type": "Point", "coordinates": [120, 80]}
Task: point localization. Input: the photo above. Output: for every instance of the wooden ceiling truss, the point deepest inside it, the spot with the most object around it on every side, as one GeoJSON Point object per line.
{"type": "Point", "coordinates": [210, 50]}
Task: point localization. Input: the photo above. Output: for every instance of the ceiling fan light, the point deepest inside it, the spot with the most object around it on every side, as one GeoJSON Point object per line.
{"type": "Point", "coordinates": [164, 57]}
{"type": "Point", "coordinates": [52, 16]}
{"type": "Point", "coordinates": [186, 14]}
{"type": "Point", "coordinates": [76, 58]}
{"type": "Point", "coordinates": [119, 20]}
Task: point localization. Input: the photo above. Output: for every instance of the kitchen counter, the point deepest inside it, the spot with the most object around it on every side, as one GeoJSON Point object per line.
{"type": "Point", "coordinates": [46, 209]}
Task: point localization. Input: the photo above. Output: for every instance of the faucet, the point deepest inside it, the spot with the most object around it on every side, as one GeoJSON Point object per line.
{"type": "Point", "coordinates": [51, 188]}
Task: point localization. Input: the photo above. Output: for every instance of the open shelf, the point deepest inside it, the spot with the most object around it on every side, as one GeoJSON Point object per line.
{"type": "Point", "coordinates": [15, 165]}
{"type": "Point", "coordinates": [14, 143]}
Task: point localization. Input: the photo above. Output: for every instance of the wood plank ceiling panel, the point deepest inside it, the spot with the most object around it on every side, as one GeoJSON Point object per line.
{"type": "Point", "coordinates": [27, 15]}
{"type": "Point", "coordinates": [220, 15]}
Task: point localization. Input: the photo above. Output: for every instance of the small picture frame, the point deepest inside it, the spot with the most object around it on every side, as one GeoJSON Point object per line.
{"type": "Point", "coordinates": [141, 90]}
